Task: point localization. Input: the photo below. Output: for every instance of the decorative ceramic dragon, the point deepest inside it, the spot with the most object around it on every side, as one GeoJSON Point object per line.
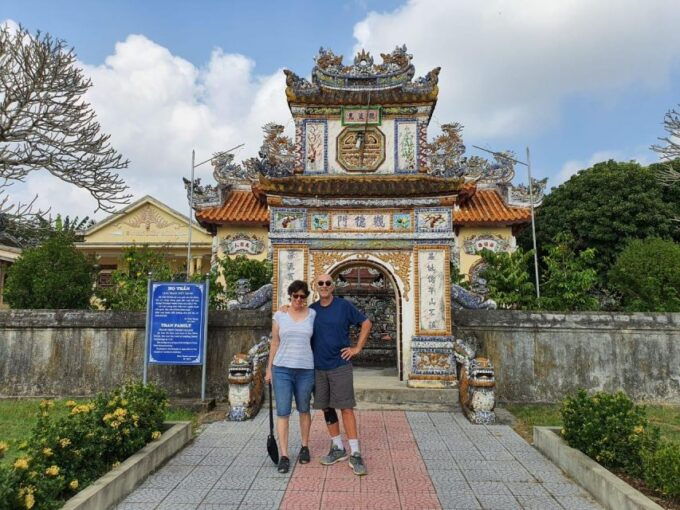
{"type": "Point", "coordinates": [246, 381]}
{"type": "Point", "coordinates": [477, 383]}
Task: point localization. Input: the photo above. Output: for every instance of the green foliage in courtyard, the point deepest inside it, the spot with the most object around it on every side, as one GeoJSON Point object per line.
{"type": "Point", "coordinates": [66, 453]}
{"type": "Point", "coordinates": [569, 280]}
{"type": "Point", "coordinates": [52, 275]}
{"type": "Point", "coordinates": [647, 276]}
{"type": "Point", "coordinates": [609, 428]}
{"type": "Point", "coordinates": [508, 279]}
{"type": "Point", "coordinates": [661, 469]}
{"type": "Point", "coordinates": [129, 284]}
{"type": "Point", "coordinates": [602, 207]}
{"type": "Point", "coordinates": [233, 269]}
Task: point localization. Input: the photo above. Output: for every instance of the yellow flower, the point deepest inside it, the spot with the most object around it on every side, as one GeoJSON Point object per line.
{"type": "Point", "coordinates": [65, 442]}
{"type": "Point", "coordinates": [120, 413]}
{"type": "Point", "coordinates": [155, 435]}
{"type": "Point", "coordinates": [124, 402]}
{"type": "Point", "coordinates": [23, 445]}
{"type": "Point", "coordinates": [46, 404]}
{"type": "Point", "coordinates": [47, 452]}
{"type": "Point", "coordinates": [26, 494]}
{"type": "Point", "coordinates": [107, 417]}
{"type": "Point", "coordinates": [21, 463]}
{"type": "Point", "coordinates": [83, 408]}
{"type": "Point", "coordinates": [639, 429]}
{"type": "Point", "coordinates": [73, 485]}
{"type": "Point", "coordinates": [52, 470]}
{"type": "Point", "coordinates": [115, 464]}
{"type": "Point", "coordinates": [3, 448]}
{"type": "Point", "coordinates": [115, 424]}
{"type": "Point", "coordinates": [71, 403]}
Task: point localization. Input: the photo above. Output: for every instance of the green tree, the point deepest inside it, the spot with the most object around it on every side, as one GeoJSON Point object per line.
{"type": "Point", "coordinates": [602, 207]}
{"type": "Point", "coordinates": [233, 269]}
{"type": "Point", "coordinates": [647, 275]}
{"type": "Point", "coordinates": [569, 279]}
{"type": "Point", "coordinates": [52, 275]}
{"type": "Point", "coordinates": [508, 279]}
{"type": "Point", "coordinates": [129, 284]}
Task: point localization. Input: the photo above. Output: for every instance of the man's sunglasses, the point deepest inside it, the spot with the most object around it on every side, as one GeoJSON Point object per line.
{"type": "Point", "coordinates": [298, 296]}
{"type": "Point", "coordinates": [327, 283]}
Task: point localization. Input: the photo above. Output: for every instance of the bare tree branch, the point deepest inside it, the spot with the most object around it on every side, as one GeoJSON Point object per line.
{"type": "Point", "coordinates": [670, 150]}
{"type": "Point", "coordinates": [45, 124]}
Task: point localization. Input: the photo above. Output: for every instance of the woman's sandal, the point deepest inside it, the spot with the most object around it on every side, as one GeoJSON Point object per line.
{"type": "Point", "coordinates": [284, 465]}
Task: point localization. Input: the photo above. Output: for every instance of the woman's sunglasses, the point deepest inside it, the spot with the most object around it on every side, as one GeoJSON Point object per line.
{"type": "Point", "coordinates": [327, 283]}
{"type": "Point", "coordinates": [298, 296]}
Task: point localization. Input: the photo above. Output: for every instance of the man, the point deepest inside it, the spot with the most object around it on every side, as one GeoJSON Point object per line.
{"type": "Point", "coordinates": [333, 378]}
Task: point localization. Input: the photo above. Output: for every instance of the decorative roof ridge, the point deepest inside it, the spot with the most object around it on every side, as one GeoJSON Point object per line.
{"type": "Point", "coordinates": [391, 80]}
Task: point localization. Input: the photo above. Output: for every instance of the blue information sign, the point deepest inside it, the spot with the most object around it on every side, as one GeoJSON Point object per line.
{"type": "Point", "coordinates": [177, 323]}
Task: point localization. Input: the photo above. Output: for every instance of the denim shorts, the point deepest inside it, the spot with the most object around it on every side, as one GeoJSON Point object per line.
{"type": "Point", "coordinates": [289, 382]}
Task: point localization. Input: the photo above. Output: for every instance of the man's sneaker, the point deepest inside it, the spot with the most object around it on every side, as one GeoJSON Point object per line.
{"type": "Point", "coordinates": [357, 464]}
{"type": "Point", "coordinates": [304, 458]}
{"type": "Point", "coordinates": [334, 455]}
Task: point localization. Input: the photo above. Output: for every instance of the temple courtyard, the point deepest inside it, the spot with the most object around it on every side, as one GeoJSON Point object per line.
{"type": "Point", "coordinates": [416, 460]}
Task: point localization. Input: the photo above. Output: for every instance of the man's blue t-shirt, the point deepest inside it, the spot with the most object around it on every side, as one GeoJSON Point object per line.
{"type": "Point", "coordinates": [331, 331]}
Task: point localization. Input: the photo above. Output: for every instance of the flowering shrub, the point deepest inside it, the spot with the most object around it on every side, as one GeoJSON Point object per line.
{"type": "Point", "coordinates": [609, 428]}
{"type": "Point", "coordinates": [662, 469]}
{"type": "Point", "coordinates": [64, 455]}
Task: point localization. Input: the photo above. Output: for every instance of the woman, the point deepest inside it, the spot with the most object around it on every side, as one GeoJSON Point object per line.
{"type": "Point", "coordinates": [291, 367]}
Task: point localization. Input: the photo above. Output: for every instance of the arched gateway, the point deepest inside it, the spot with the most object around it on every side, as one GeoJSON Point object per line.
{"type": "Point", "coordinates": [361, 194]}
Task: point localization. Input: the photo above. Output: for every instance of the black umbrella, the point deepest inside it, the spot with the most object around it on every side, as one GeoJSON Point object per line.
{"type": "Point", "coordinates": [272, 449]}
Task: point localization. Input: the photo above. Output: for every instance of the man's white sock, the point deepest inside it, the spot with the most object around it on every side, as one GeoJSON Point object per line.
{"type": "Point", "coordinates": [353, 446]}
{"type": "Point", "coordinates": [337, 441]}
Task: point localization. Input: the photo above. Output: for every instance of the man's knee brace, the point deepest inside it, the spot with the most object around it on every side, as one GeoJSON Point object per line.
{"type": "Point", "coordinates": [330, 416]}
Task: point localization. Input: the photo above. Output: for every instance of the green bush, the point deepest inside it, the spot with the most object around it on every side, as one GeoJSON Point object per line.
{"type": "Point", "coordinates": [569, 280]}
{"type": "Point", "coordinates": [507, 277]}
{"type": "Point", "coordinates": [129, 284]}
{"type": "Point", "coordinates": [64, 455]}
{"type": "Point", "coordinates": [647, 275]}
{"type": "Point", "coordinates": [233, 269]}
{"type": "Point", "coordinates": [662, 469]}
{"type": "Point", "coordinates": [52, 275]}
{"type": "Point", "coordinates": [609, 428]}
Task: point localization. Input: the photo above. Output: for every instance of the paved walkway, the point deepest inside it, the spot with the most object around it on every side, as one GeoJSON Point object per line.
{"type": "Point", "coordinates": [415, 460]}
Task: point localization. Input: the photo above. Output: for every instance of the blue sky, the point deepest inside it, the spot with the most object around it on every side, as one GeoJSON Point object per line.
{"type": "Point", "coordinates": [576, 81]}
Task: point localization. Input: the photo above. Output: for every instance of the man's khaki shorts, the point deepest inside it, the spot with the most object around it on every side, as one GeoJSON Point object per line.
{"type": "Point", "coordinates": [334, 388]}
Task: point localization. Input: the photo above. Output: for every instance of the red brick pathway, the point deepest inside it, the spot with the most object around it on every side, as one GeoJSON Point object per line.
{"type": "Point", "coordinates": [397, 477]}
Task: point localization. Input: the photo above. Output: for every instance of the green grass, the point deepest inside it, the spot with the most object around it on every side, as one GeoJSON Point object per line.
{"type": "Point", "coordinates": [18, 416]}
{"type": "Point", "coordinates": [667, 418]}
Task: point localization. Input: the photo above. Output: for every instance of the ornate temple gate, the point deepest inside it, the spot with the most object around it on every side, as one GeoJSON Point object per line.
{"type": "Point", "coordinates": [370, 289]}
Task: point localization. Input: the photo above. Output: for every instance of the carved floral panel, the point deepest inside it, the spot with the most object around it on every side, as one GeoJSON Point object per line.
{"type": "Point", "coordinates": [315, 146]}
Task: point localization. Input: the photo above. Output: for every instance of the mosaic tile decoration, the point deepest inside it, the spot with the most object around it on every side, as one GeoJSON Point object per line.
{"type": "Point", "coordinates": [433, 219]}
{"type": "Point", "coordinates": [406, 146]}
{"type": "Point", "coordinates": [288, 220]}
{"type": "Point", "coordinates": [432, 358]}
{"type": "Point", "coordinates": [315, 146]}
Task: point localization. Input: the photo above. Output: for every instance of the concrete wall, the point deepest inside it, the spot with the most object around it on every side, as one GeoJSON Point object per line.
{"type": "Point", "coordinates": [78, 352]}
{"type": "Point", "coordinates": [540, 357]}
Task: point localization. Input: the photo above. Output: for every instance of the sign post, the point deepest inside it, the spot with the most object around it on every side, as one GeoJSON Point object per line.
{"type": "Point", "coordinates": [176, 325]}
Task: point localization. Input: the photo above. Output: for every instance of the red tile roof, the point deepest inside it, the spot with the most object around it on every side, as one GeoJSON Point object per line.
{"type": "Point", "coordinates": [241, 207]}
{"type": "Point", "coordinates": [484, 207]}
{"type": "Point", "coordinates": [487, 206]}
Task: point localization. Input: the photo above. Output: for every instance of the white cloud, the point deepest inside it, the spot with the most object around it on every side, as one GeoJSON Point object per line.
{"type": "Point", "coordinates": [573, 166]}
{"type": "Point", "coordinates": [157, 108]}
{"type": "Point", "coordinates": [507, 65]}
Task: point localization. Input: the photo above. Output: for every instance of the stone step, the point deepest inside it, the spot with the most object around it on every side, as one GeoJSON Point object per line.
{"type": "Point", "coordinates": [382, 388]}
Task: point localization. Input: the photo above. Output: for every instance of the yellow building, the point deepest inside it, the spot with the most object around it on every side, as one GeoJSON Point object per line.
{"type": "Point", "coordinates": [9, 252]}
{"type": "Point", "coordinates": [146, 222]}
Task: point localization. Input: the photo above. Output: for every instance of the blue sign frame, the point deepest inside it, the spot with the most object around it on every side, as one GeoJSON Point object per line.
{"type": "Point", "coordinates": [176, 323]}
